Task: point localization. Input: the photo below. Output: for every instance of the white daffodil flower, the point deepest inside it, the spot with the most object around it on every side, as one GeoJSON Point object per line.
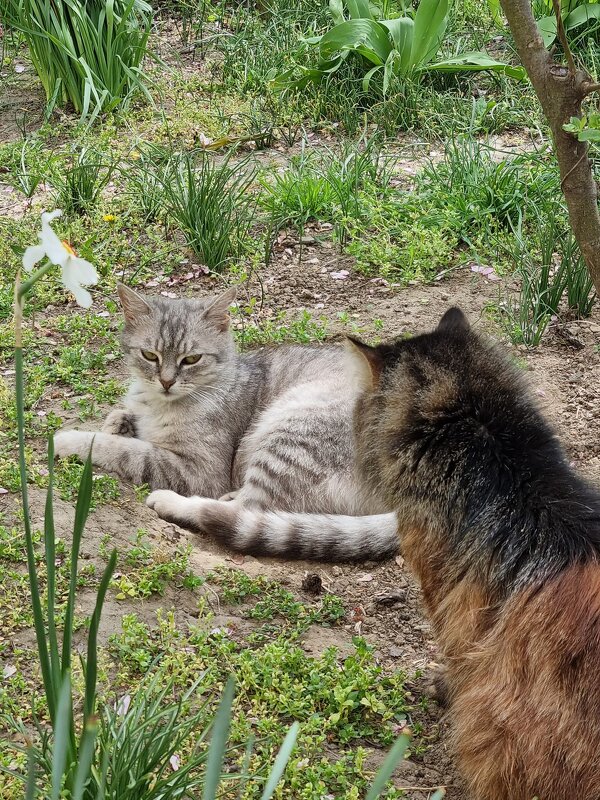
{"type": "Point", "coordinates": [76, 272]}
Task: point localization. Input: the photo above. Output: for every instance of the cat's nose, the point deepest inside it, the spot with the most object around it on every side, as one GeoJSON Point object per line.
{"type": "Point", "coordinates": [167, 383]}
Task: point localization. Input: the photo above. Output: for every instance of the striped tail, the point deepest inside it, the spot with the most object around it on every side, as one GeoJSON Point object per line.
{"type": "Point", "coordinates": [320, 537]}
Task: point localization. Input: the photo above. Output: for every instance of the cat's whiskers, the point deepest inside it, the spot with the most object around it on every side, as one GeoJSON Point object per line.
{"type": "Point", "coordinates": [210, 400]}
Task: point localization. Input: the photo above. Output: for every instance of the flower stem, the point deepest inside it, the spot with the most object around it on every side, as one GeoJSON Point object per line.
{"type": "Point", "coordinates": [22, 289]}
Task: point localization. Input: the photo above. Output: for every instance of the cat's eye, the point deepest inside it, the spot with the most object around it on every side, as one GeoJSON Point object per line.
{"type": "Point", "coordinates": [149, 355]}
{"type": "Point", "coordinates": [192, 359]}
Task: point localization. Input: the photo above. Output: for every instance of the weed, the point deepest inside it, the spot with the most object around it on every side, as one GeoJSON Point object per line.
{"type": "Point", "coordinates": [303, 330]}
{"type": "Point", "coordinates": [389, 49]}
{"type": "Point", "coordinates": [145, 570]}
{"type": "Point", "coordinates": [208, 199]}
{"type": "Point", "coordinates": [325, 187]}
{"type": "Point", "coordinates": [27, 168]}
{"type": "Point", "coordinates": [275, 600]}
{"type": "Point", "coordinates": [80, 179]}
{"type": "Point", "coordinates": [550, 267]}
{"type": "Point", "coordinates": [338, 701]}
{"type": "Point", "coordinates": [144, 188]}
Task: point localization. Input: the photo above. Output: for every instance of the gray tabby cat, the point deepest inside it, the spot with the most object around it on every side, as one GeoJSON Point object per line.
{"type": "Point", "coordinates": [256, 448]}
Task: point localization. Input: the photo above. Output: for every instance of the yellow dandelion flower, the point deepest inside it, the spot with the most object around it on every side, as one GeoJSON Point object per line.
{"type": "Point", "coordinates": [109, 218]}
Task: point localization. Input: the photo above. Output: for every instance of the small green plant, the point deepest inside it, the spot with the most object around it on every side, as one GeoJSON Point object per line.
{"type": "Point", "coordinates": [86, 54]}
{"type": "Point", "coordinates": [303, 330]}
{"type": "Point", "coordinates": [395, 48]}
{"type": "Point", "coordinates": [298, 194]}
{"type": "Point", "coordinates": [143, 186]}
{"type": "Point", "coordinates": [208, 200]}
{"type": "Point", "coordinates": [29, 169]}
{"type": "Point", "coordinates": [274, 600]}
{"type": "Point", "coordinates": [550, 267]}
{"type": "Point", "coordinates": [577, 15]}
{"type": "Point", "coordinates": [79, 180]}
{"type": "Point", "coordinates": [326, 187]}
{"type": "Point", "coordinates": [586, 128]}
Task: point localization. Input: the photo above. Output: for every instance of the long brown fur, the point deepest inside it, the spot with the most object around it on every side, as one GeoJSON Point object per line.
{"type": "Point", "coordinates": [505, 540]}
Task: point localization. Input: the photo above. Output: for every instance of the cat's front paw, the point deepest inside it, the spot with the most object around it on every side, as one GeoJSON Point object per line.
{"type": "Point", "coordinates": [73, 443]}
{"type": "Point", "coordinates": [169, 505]}
{"type": "Point", "coordinates": [226, 498]}
{"type": "Point", "coordinates": [121, 423]}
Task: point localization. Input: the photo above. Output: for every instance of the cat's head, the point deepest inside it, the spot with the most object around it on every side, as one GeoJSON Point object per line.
{"type": "Point", "coordinates": [178, 347]}
{"type": "Point", "coordinates": [426, 397]}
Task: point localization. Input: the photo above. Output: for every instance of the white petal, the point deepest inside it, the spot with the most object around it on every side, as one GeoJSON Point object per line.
{"type": "Point", "coordinates": [55, 250]}
{"type": "Point", "coordinates": [70, 282]}
{"type": "Point", "coordinates": [84, 272]}
{"type": "Point", "coordinates": [48, 216]}
{"type": "Point", "coordinates": [32, 255]}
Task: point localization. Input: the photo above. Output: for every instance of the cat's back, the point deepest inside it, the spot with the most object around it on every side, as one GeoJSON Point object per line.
{"type": "Point", "coordinates": [283, 367]}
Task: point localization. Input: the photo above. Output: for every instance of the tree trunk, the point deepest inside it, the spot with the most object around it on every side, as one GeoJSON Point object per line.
{"type": "Point", "coordinates": [561, 90]}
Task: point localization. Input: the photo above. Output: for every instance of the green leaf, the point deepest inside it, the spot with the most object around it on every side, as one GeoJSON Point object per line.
{"type": "Point", "coordinates": [84, 759]}
{"type": "Point", "coordinates": [430, 25]}
{"type": "Point", "coordinates": [402, 31]}
{"type": "Point", "coordinates": [476, 62]}
{"type": "Point", "coordinates": [388, 73]}
{"type": "Point", "coordinates": [62, 735]}
{"type": "Point", "coordinates": [91, 667]}
{"type": "Point", "coordinates": [547, 28]}
{"type": "Point", "coordinates": [216, 753]}
{"type": "Point", "coordinates": [496, 12]}
{"type": "Point", "coordinates": [283, 756]}
{"type": "Point", "coordinates": [589, 135]}
{"type": "Point", "coordinates": [82, 509]}
{"type": "Point", "coordinates": [365, 36]}
{"type": "Point", "coordinates": [582, 15]}
{"type": "Point", "coordinates": [367, 79]}
{"type": "Point", "coordinates": [30, 788]}
{"type": "Point", "coordinates": [49, 546]}
{"type": "Point", "coordinates": [359, 9]}
{"type": "Point", "coordinates": [386, 770]}
{"type": "Point", "coordinates": [336, 9]}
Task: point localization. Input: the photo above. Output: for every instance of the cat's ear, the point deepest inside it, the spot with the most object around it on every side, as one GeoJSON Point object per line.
{"type": "Point", "coordinates": [366, 362]}
{"type": "Point", "coordinates": [217, 312]}
{"type": "Point", "coordinates": [454, 321]}
{"type": "Point", "coordinates": [135, 307]}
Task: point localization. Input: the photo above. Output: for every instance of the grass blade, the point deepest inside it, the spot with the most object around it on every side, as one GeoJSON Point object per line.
{"type": "Point", "coordinates": [50, 549]}
{"type": "Point", "coordinates": [30, 787]}
{"type": "Point", "coordinates": [91, 666]}
{"type": "Point", "coordinates": [386, 770]}
{"type": "Point", "coordinates": [38, 615]}
{"type": "Point", "coordinates": [218, 742]}
{"type": "Point", "coordinates": [283, 756]}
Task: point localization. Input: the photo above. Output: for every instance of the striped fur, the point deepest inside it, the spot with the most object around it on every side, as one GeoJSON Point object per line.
{"type": "Point", "coordinates": [327, 537]}
{"type": "Point", "coordinates": [505, 539]}
{"type": "Point", "coordinates": [272, 428]}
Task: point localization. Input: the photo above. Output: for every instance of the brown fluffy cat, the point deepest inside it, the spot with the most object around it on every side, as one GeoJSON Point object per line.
{"type": "Point", "coordinates": [505, 540]}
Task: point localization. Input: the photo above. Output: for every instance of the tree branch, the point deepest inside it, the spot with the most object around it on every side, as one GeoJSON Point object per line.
{"type": "Point", "coordinates": [562, 36]}
{"type": "Point", "coordinates": [561, 92]}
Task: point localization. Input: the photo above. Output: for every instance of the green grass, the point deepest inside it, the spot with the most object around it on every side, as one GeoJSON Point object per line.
{"type": "Point", "coordinates": [338, 701]}
{"type": "Point", "coordinates": [341, 702]}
